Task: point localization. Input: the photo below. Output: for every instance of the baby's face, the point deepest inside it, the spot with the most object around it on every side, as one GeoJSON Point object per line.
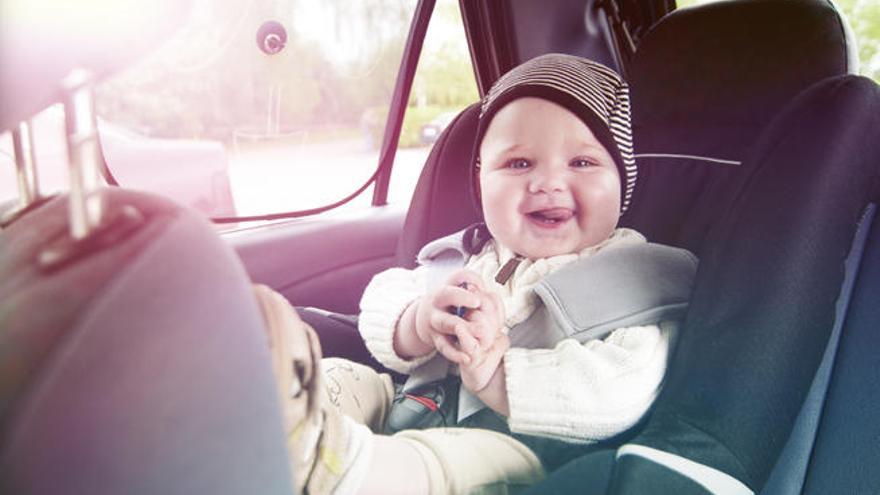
{"type": "Point", "coordinates": [548, 186]}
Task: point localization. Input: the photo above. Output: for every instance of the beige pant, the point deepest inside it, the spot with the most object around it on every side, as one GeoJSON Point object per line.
{"type": "Point", "coordinates": [458, 460]}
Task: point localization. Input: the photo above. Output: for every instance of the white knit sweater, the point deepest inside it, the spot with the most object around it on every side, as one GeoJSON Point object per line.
{"type": "Point", "coordinates": [576, 392]}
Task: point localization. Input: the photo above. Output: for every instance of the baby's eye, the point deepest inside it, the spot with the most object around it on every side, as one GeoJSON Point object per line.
{"type": "Point", "coordinates": [518, 163]}
{"type": "Point", "coordinates": [582, 163]}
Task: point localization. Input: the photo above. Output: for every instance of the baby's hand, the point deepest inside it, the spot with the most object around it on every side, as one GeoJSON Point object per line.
{"type": "Point", "coordinates": [436, 323]}
{"type": "Point", "coordinates": [477, 373]}
{"type": "Point", "coordinates": [486, 322]}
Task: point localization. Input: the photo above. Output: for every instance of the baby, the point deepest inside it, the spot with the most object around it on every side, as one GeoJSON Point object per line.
{"type": "Point", "coordinates": [544, 327]}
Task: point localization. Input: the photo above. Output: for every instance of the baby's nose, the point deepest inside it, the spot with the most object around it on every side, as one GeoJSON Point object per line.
{"type": "Point", "coordinates": [547, 182]}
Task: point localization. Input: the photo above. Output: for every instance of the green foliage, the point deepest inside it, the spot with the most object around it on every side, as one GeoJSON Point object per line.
{"type": "Point", "coordinates": [416, 118]}
{"type": "Point", "coordinates": [373, 123]}
{"type": "Point", "coordinates": [864, 17]}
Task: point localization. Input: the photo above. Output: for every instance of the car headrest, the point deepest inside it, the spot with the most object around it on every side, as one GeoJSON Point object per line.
{"type": "Point", "coordinates": [706, 79]}
{"type": "Point", "coordinates": [140, 366]}
{"type": "Point", "coordinates": [704, 82]}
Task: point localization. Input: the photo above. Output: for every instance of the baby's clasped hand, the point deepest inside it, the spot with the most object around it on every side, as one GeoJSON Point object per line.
{"type": "Point", "coordinates": [460, 319]}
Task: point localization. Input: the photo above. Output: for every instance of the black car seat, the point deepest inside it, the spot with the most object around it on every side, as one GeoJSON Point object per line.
{"type": "Point", "coordinates": [745, 62]}
{"type": "Point", "coordinates": [691, 187]}
{"type": "Point", "coordinates": [846, 448]}
{"type": "Point", "coordinates": [765, 302]}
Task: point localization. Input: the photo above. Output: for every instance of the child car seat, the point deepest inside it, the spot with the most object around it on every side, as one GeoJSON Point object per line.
{"type": "Point", "coordinates": [691, 141]}
{"type": "Point", "coordinates": [758, 363]}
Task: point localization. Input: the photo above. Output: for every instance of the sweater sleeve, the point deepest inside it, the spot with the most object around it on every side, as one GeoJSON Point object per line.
{"type": "Point", "coordinates": [386, 297]}
{"type": "Point", "coordinates": [587, 392]}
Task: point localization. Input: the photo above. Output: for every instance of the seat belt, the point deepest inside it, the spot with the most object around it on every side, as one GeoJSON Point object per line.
{"type": "Point", "coordinates": [790, 472]}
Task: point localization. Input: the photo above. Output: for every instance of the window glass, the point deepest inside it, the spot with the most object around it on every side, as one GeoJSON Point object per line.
{"type": "Point", "coordinates": [443, 86]}
{"type": "Point", "coordinates": [218, 124]}
{"type": "Point", "coordinates": [863, 17]}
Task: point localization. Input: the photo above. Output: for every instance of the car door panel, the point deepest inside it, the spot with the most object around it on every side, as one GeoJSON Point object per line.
{"type": "Point", "coordinates": [322, 262]}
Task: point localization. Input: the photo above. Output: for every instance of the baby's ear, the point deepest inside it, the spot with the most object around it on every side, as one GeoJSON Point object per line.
{"type": "Point", "coordinates": [476, 194]}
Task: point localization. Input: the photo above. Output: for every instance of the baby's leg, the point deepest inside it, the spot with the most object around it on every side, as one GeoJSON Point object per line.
{"type": "Point", "coordinates": [329, 451]}
{"type": "Point", "coordinates": [321, 441]}
{"type": "Point", "coordinates": [358, 391]}
{"type": "Point", "coordinates": [450, 461]}
{"type": "Point", "coordinates": [333, 453]}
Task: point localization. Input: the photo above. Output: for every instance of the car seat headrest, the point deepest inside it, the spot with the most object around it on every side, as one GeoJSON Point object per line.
{"type": "Point", "coordinates": [704, 82]}
{"type": "Point", "coordinates": [705, 79]}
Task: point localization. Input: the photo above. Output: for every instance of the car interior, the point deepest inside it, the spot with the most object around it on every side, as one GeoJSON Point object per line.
{"type": "Point", "coordinates": [754, 151]}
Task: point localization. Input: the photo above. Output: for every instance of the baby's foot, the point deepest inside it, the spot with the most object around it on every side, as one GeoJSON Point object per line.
{"type": "Point", "coordinates": [317, 435]}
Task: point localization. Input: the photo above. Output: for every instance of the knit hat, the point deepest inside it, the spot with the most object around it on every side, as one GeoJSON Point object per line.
{"type": "Point", "coordinates": [592, 91]}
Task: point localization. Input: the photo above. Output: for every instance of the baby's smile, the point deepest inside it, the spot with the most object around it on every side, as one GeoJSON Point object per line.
{"type": "Point", "coordinates": [550, 217]}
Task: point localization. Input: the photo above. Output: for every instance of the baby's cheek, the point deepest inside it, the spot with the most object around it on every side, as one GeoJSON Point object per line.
{"type": "Point", "coordinates": [603, 196]}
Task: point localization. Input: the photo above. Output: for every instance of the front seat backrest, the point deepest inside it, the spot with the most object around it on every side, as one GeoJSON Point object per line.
{"type": "Point", "coordinates": [139, 367]}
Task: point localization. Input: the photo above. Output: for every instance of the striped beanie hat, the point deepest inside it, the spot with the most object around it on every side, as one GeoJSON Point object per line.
{"type": "Point", "coordinates": [592, 91]}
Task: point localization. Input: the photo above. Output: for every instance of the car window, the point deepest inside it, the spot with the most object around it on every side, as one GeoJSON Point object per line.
{"type": "Point", "coordinates": [213, 121]}
{"type": "Point", "coordinates": [444, 85]}
{"type": "Point", "coordinates": [863, 17]}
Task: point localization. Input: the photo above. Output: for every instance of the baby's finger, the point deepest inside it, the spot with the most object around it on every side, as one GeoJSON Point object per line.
{"type": "Point", "coordinates": [477, 326]}
{"type": "Point", "coordinates": [484, 327]}
{"type": "Point", "coordinates": [466, 341]}
{"type": "Point", "coordinates": [445, 323]}
{"type": "Point", "coordinates": [501, 346]}
{"type": "Point", "coordinates": [450, 296]}
{"type": "Point", "coordinates": [468, 277]}
{"type": "Point", "coordinates": [445, 346]}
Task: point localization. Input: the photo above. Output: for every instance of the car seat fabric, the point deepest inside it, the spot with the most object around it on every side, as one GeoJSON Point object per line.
{"type": "Point", "coordinates": [763, 308]}
{"type": "Point", "coordinates": [139, 368]}
{"type": "Point", "coordinates": [789, 474]}
{"type": "Point", "coordinates": [705, 81]}
{"type": "Point", "coordinates": [846, 450]}
{"type": "Point", "coordinates": [764, 299]}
